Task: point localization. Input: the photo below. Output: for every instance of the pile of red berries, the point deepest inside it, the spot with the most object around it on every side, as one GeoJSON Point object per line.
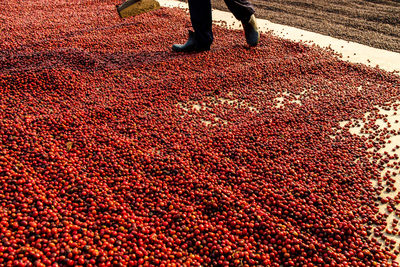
{"type": "Point", "coordinates": [115, 150]}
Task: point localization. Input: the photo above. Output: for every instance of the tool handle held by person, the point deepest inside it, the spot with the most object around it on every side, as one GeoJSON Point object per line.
{"type": "Point", "coordinates": [136, 7]}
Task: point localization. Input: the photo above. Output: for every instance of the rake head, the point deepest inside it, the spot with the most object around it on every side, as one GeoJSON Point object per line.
{"type": "Point", "coordinates": [136, 7]}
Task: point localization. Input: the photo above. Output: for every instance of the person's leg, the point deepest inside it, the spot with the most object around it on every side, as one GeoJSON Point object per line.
{"type": "Point", "coordinates": [200, 15]}
{"type": "Point", "coordinates": [241, 9]}
{"type": "Point", "coordinates": [244, 11]}
{"type": "Point", "coordinates": [202, 37]}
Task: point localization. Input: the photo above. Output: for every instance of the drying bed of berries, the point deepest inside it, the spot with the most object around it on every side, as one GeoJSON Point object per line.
{"type": "Point", "coordinates": [115, 150]}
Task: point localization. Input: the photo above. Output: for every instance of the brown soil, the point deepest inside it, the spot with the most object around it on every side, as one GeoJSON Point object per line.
{"type": "Point", "coordinates": [374, 23]}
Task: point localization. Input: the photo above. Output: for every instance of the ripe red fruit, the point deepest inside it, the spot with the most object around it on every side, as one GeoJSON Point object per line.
{"type": "Point", "coordinates": [116, 151]}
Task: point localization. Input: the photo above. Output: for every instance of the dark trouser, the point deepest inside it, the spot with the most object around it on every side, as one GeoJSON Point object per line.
{"type": "Point", "coordinates": [200, 15]}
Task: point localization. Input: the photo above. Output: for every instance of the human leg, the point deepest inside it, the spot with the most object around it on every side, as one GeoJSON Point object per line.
{"type": "Point", "coordinates": [202, 37]}
{"type": "Point", "coordinates": [200, 16]}
{"type": "Point", "coordinates": [243, 10]}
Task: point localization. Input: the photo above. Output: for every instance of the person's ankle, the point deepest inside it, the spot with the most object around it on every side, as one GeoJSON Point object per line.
{"type": "Point", "coordinates": [251, 31]}
{"type": "Point", "coordinates": [191, 45]}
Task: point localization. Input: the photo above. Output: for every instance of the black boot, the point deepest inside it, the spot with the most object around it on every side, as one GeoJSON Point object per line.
{"type": "Point", "coordinates": [191, 45]}
{"type": "Point", "coordinates": [251, 31]}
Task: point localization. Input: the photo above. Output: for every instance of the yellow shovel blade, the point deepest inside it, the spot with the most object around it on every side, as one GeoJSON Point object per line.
{"type": "Point", "coordinates": [135, 7]}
